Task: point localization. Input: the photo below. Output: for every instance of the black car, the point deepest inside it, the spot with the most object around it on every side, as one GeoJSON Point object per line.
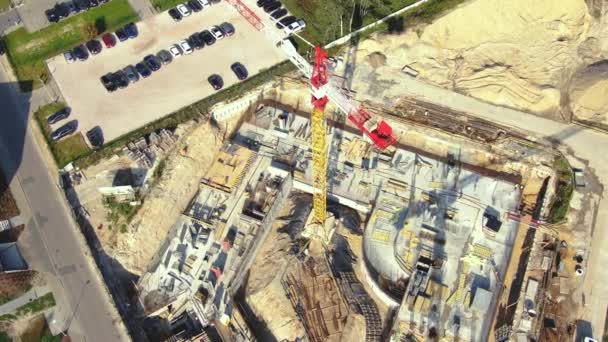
{"type": "Point", "coordinates": [58, 116]}
{"type": "Point", "coordinates": [51, 15]}
{"type": "Point", "coordinates": [278, 14]}
{"type": "Point", "coordinates": [143, 70]}
{"type": "Point", "coordinates": [174, 13]}
{"type": "Point", "coordinates": [131, 73]}
{"type": "Point", "coordinates": [207, 37]}
{"type": "Point", "coordinates": [131, 30]}
{"type": "Point", "coordinates": [153, 62]}
{"type": "Point", "coordinates": [195, 6]}
{"type": "Point", "coordinates": [82, 5]}
{"type": "Point", "coordinates": [64, 130]}
{"type": "Point", "coordinates": [272, 6]}
{"type": "Point", "coordinates": [2, 48]}
{"type": "Point", "coordinates": [216, 81]}
{"type": "Point", "coordinates": [62, 10]}
{"type": "Point", "coordinates": [94, 46]}
{"type": "Point", "coordinates": [196, 41]}
{"type": "Point", "coordinates": [108, 82]}
{"type": "Point", "coordinates": [121, 79]}
{"type": "Point", "coordinates": [239, 70]}
{"type": "Point", "coordinates": [262, 3]}
{"type": "Point", "coordinates": [81, 53]}
{"type": "Point", "coordinates": [164, 56]}
{"type": "Point", "coordinates": [121, 34]}
{"type": "Point", "coordinates": [227, 28]}
{"type": "Point", "coordinates": [286, 21]}
{"type": "Point", "coordinates": [95, 136]}
{"type": "Point", "coordinates": [72, 6]}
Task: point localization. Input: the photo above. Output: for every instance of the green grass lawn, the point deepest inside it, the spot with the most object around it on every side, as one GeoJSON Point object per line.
{"type": "Point", "coordinates": [67, 149]}
{"type": "Point", "coordinates": [163, 5]}
{"type": "Point", "coordinates": [37, 305]}
{"type": "Point", "coordinates": [28, 51]}
{"type": "Point", "coordinates": [5, 5]}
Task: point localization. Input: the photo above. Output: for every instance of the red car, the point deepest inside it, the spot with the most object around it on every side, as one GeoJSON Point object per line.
{"type": "Point", "coordinates": [109, 40]}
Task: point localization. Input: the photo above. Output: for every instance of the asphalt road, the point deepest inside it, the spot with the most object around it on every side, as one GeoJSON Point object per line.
{"type": "Point", "coordinates": [53, 244]}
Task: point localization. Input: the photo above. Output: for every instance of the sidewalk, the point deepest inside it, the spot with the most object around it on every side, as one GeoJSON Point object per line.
{"type": "Point", "coordinates": [27, 297]}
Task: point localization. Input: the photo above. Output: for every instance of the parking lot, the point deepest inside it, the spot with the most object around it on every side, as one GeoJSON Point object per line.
{"type": "Point", "coordinates": [174, 86]}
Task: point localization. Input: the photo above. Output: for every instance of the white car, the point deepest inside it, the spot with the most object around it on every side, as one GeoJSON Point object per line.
{"type": "Point", "coordinates": [296, 26]}
{"type": "Point", "coordinates": [175, 51]}
{"type": "Point", "coordinates": [186, 48]}
{"type": "Point", "coordinates": [183, 10]}
{"type": "Point", "coordinates": [217, 32]}
{"type": "Point", "coordinates": [204, 3]}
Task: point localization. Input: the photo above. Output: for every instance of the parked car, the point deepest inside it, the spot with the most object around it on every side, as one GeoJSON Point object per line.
{"type": "Point", "coordinates": [94, 46]}
{"type": "Point", "coordinates": [239, 70]}
{"type": "Point", "coordinates": [183, 10]}
{"type": "Point", "coordinates": [207, 37]}
{"type": "Point", "coordinates": [227, 28]}
{"type": "Point", "coordinates": [51, 15]}
{"type": "Point", "coordinates": [262, 3]}
{"type": "Point", "coordinates": [278, 14]}
{"type": "Point", "coordinates": [108, 82]}
{"type": "Point", "coordinates": [296, 26]}
{"type": "Point", "coordinates": [131, 73]}
{"type": "Point", "coordinates": [121, 34]}
{"type": "Point", "coordinates": [69, 57]}
{"type": "Point", "coordinates": [175, 51]}
{"type": "Point", "coordinates": [82, 5]}
{"type": "Point", "coordinates": [62, 10]}
{"type": "Point", "coordinates": [204, 3]}
{"type": "Point", "coordinates": [196, 41]}
{"type": "Point", "coordinates": [195, 6]}
{"type": "Point", "coordinates": [143, 70]}
{"type": "Point", "coordinates": [64, 130]}
{"type": "Point", "coordinates": [271, 7]}
{"type": "Point", "coordinates": [164, 56]}
{"type": "Point", "coordinates": [286, 21]}
{"type": "Point", "coordinates": [81, 53]}
{"type": "Point", "coordinates": [215, 1]}
{"type": "Point", "coordinates": [95, 136]}
{"type": "Point", "coordinates": [109, 40]}
{"type": "Point", "coordinates": [153, 62]}
{"type": "Point", "coordinates": [58, 116]}
{"type": "Point", "coordinates": [72, 7]}
{"type": "Point", "coordinates": [186, 48]}
{"type": "Point", "coordinates": [121, 79]}
{"type": "Point", "coordinates": [175, 14]}
{"type": "Point", "coordinates": [131, 30]}
{"type": "Point", "coordinates": [216, 81]}
{"type": "Point", "coordinates": [2, 47]}
{"type": "Point", "coordinates": [217, 32]}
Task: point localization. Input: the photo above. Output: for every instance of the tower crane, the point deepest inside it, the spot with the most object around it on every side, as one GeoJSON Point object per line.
{"type": "Point", "coordinates": [323, 89]}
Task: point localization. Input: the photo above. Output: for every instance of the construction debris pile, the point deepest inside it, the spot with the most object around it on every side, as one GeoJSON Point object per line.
{"type": "Point", "coordinates": [146, 151]}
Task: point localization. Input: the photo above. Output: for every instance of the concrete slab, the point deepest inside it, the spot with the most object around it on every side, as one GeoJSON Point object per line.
{"type": "Point", "coordinates": [174, 86]}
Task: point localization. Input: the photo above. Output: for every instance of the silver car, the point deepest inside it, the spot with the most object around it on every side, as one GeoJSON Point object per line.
{"type": "Point", "coordinates": [69, 57]}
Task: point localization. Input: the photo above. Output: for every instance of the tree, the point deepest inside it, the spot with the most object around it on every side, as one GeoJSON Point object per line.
{"type": "Point", "coordinates": [90, 31]}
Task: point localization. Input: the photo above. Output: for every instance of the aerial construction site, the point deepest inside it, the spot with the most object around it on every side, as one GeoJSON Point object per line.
{"type": "Point", "coordinates": [307, 210]}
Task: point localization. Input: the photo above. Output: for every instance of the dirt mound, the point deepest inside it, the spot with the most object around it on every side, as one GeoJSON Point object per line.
{"type": "Point", "coordinates": [376, 59]}
{"type": "Point", "coordinates": [514, 53]}
{"type": "Point", "coordinates": [588, 99]}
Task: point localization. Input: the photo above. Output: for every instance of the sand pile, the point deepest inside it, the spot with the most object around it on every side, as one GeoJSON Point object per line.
{"type": "Point", "coordinates": [515, 53]}
{"type": "Point", "coordinates": [588, 98]}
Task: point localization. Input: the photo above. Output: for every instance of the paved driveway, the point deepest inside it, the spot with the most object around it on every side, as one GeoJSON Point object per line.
{"type": "Point", "coordinates": [9, 19]}
{"type": "Point", "coordinates": [174, 86]}
{"type": "Point", "coordinates": [32, 13]}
